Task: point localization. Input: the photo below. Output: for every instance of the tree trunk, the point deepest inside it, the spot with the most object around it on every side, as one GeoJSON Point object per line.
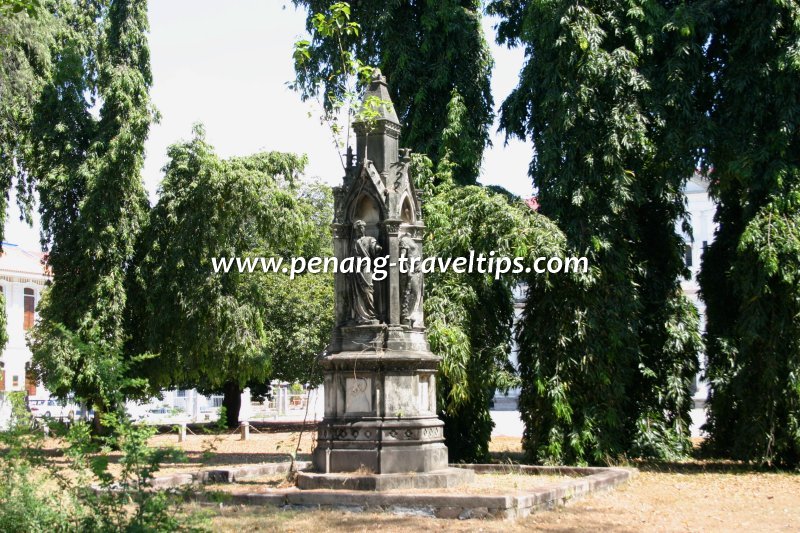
{"type": "Point", "coordinates": [232, 401]}
{"type": "Point", "coordinates": [98, 428]}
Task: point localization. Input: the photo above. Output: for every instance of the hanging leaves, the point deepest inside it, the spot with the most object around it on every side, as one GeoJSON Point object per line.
{"type": "Point", "coordinates": [608, 96]}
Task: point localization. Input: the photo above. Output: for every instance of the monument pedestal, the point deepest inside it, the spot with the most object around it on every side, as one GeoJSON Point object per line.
{"type": "Point", "coordinates": [380, 447]}
{"type": "Point", "coordinates": [380, 413]}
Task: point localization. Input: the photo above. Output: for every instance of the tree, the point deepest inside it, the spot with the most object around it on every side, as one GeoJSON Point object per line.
{"type": "Point", "coordinates": [26, 33]}
{"type": "Point", "coordinates": [222, 330]}
{"type": "Point", "coordinates": [93, 201]}
{"type": "Point", "coordinates": [472, 338]}
{"type": "Point", "coordinates": [749, 277]}
{"type": "Point", "coordinates": [299, 311]}
{"type": "Point", "coordinates": [470, 316]}
{"type": "Point", "coordinates": [427, 50]}
{"type": "Point", "coordinates": [609, 98]}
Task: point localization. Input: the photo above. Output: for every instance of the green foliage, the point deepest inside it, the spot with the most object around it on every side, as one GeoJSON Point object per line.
{"type": "Point", "coordinates": [37, 494]}
{"type": "Point", "coordinates": [300, 318]}
{"type": "Point", "coordinates": [26, 33]}
{"type": "Point", "coordinates": [470, 316]}
{"type": "Point", "coordinates": [222, 418]}
{"type": "Point", "coordinates": [608, 96]}
{"type": "Point", "coordinates": [13, 7]}
{"type": "Point", "coordinates": [347, 73]}
{"type": "Point", "coordinates": [20, 416]}
{"type": "Point", "coordinates": [23, 505]}
{"type": "Point", "coordinates": [26, 38]}
{"type": "Point", "coordinates": [426, 49]}
{"type": "Point", "coordinates": [92, 199]}
{"type": "Point", "coordinates": [218, 330]}
{"type": "Point", "coordinates": [749, 276]}
{"type": "Point", "coordinates": [153, 510]}
{"type": "Point", "coordinates": [3, 323]}
{"type": "Point", "coordinates": [60, 353]}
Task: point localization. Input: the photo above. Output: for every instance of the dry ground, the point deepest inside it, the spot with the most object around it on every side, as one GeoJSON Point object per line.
{"type": "Point", "coordinates": [684, 499]}
{"type": "Point", "coordinates": [213, 450]}
{"type": "Point", "coordinates": [691, 496]}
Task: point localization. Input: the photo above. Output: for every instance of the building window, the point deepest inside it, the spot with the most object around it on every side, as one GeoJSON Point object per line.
{"type": "Point", "coordinates": [30, 307]}
{"type": "Point", "coordinates": [687, 254]}
{"type": "Point", "coordinates": [181, 393]}
{"type": "Point", "coordinates": [15, 381]}
{"type": "Point", "coordinates": [30, 382]}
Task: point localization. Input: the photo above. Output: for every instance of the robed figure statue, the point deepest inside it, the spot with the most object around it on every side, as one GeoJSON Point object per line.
{"type": "Point", "coordinates": [362, 290]}
{"type": "Point", "coordinates": [411, 313]}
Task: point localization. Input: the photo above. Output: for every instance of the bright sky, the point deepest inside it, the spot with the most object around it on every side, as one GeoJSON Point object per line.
{"type": "Point", "coordinates": [227, 67]}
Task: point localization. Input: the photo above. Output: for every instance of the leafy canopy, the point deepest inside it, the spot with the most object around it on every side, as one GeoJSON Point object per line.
{"type": "Point", "coordinates": [427, 50]}
{"type": "Point", "coordinates": [470, 316]}
{"type": "Point", "coordinates": [607, 96]}
{"type": "Point", "coordinates": [749, 273]}
{"type": "Point", "coordinates": [92, 199]}
{"type": "Point", "coordinates": [214, 328]}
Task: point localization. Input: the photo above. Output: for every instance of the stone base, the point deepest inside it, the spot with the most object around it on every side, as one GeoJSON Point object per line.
{"type": "Point", "coordinates": [376, 460]}
{"type": "Point", "coordinates": [438, 479]}
{"type": "Point", "coordinates": [376, 446]}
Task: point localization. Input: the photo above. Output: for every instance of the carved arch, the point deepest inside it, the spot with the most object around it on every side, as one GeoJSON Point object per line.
{"type": "Point", "coordinates": [407, 212]}
{"type": "Point", "coordinates": [365, 197]}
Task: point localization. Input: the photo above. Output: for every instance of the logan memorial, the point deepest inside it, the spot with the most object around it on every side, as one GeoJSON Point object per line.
{"type": "Point", "coordinates": [380, 428]}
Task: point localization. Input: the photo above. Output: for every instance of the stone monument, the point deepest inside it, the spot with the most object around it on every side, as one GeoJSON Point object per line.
{"type": "Point", "coordinates": [380, 420]}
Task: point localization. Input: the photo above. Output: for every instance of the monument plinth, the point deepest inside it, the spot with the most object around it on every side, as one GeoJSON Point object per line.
{"type": "Point", "coordinates": [380, 375]}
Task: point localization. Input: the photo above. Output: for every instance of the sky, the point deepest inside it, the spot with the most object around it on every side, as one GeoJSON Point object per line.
{"type": "Point", "coordinates": [226, 65]}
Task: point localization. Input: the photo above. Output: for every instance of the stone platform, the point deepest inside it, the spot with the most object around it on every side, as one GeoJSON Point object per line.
{"type": "Point", "coordinates": [436, 479]}
{"type": "Point", "coordinates": [501, 504]}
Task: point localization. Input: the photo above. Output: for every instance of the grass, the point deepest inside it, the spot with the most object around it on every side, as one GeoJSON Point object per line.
{"type": "Point", "coordinates": [696, 497]}
{"type": "Point", "coordinates": [707, 495]}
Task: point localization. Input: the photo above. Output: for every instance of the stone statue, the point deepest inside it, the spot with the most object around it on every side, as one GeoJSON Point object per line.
{"type": "Point", "coordinates": [362, 290]}
{"type": "Point", "coordinates": [411, 312]}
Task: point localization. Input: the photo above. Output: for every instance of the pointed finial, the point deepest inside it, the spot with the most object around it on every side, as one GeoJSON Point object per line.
{"type": "Point", "coordinates": [378, 91]}
{"type": "Point", "coordinates": [377, 76]}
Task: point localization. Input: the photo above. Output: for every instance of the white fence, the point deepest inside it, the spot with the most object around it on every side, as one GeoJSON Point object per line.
{"type": "Point", "coordinates": [285, 402]}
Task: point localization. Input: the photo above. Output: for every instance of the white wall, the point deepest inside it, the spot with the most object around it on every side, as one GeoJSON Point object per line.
{"type": "Point", "coordinates": [16, 353]}
{"type": "Point", "coordinates": [701, 217]}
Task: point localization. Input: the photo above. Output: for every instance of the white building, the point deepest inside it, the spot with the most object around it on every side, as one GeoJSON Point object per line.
{"type": "Point", "coordinates": [508, 401]}
{"type": "Point", "coordinates": [701, 217]}
{"type": "Point", "coordinates": [22, 278]}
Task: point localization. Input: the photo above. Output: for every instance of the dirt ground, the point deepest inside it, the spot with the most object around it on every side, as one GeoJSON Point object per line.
{"type": "Point", "coordinates": [213, 450]}
{"type": "Point", "coordinates": [690, 496]}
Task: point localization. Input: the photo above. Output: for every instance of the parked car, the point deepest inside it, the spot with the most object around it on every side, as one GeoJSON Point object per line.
{"type": "Point", "coordinates": [52, 408]}
{"type": "Point", "coordinates": [162, 415]}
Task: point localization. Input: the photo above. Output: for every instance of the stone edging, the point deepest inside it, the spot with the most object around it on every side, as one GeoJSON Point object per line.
{"type": "Point", "coordinates": [504, 506]}
{"type": "Point", "coordinates": [224, 475]}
